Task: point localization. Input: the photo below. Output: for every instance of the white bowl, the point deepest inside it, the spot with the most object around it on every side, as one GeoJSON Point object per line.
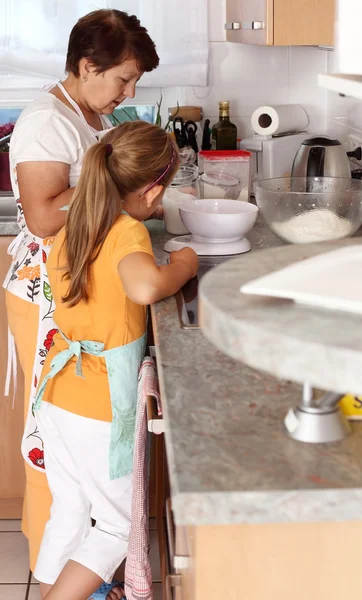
{"type": "Point", "coordinates": [218, 220]}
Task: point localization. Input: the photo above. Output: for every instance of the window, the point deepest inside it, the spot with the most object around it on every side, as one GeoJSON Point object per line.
{"type": "Point", "coordinates": [34, 36]}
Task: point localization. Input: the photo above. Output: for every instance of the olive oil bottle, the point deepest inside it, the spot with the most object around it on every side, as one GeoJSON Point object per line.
{"type": "Point", "coordinates": [224, 133]}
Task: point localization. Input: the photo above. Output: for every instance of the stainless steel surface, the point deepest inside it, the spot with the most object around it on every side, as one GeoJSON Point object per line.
{"type": "Point", "coordinates": [178, 562]}
{"type": "Point", "coordinates": [321, 157]}
{"type": "Point", "coordinates": [317, 420]}
{"type": "Point", "coordinates": [8, 210]}
{"type": "Point", "coordinates": [330, 400]}
{"type": "Point", "coordinates": [315, 427]}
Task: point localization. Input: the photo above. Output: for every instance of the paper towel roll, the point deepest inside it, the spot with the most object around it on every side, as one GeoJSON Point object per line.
{"type": "Point", "coordinates": [274, 120]}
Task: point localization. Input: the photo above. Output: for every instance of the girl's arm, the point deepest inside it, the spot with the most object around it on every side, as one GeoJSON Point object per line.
{"type": "Point", "coordinates": [44, 189]}
{"type": "Point", "coordinates": [146, 283]}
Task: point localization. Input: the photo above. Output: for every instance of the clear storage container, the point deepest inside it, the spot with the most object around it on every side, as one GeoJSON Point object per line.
{"type": "Point", "coordinates": [225, 174]}
{"type": "Point", "coordinates": [184, 184]}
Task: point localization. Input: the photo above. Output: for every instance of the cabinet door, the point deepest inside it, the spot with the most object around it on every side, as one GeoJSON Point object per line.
{"type": "Point", "coordinates": [306, 23]}
{"type": "Point", "coordinates": [254, 19]}
{"type": "Point", "coordinates": [12, 473]}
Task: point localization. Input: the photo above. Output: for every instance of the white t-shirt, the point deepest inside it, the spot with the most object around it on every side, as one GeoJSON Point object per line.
{"type": "Point", "coordinates": [48, 130]}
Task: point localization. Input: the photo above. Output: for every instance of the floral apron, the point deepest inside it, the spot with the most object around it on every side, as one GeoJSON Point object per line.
{"type": "Point", "coordinates": [38, 291]}
{"type": "Point", "coordinates": [123, 365]}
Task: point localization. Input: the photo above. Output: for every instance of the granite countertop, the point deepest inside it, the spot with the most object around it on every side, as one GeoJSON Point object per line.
{"type": "Point", "coordinates": [229, 458]}
{"type": "Point", "coordinates": [293, 341]}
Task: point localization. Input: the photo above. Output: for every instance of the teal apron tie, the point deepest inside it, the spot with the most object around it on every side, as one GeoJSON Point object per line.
{"type": "Point", "coordinates": [123, 364]}
{"type": "Point", "coordinates": [60, 360]}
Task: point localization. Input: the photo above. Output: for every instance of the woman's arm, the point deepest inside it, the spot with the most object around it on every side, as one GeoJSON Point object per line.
{"type": "Point", "coordinates": [44, 189]}
{"type": "Point", "coordinates": [146, 283]}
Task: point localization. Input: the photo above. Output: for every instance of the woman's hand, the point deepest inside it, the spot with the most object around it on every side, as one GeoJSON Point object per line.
{"type": "Point", "coordinates": [44, 189]}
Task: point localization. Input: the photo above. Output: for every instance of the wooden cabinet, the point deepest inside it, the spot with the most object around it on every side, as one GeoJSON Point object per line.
{"type": "Point", "coordinates": [12, 474]}
{"type": "Point", "coordinates": [180, 578]}
{"type": "Point", "coordinates": [260, 562]}
{"type": "Point", "coordinates": [281, 22]}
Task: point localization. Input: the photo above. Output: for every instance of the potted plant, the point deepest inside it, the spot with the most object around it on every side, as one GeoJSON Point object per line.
{"type": "Point", "coordinates": [5, 182]}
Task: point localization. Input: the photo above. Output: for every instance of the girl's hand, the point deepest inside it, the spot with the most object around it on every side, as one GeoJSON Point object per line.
{"type": "Point", "coordinates": [188, 256]}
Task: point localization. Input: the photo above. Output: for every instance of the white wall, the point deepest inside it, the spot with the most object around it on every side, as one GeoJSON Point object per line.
{"type": "Point", "coordinates": [249, 76]}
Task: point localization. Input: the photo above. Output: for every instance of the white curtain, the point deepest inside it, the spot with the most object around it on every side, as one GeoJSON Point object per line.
{"type": "Point", "coordinates": [34, 36]}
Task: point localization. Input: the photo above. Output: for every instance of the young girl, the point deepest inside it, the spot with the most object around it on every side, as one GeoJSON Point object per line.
{"type": "Point", "coordinates": [103, 275]}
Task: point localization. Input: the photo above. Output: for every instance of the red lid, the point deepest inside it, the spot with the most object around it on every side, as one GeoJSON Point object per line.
{"type": "Point", "coordinates": [224, 154]}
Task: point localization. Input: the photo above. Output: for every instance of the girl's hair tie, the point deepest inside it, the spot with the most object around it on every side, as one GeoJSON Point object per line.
{"type": "Point", "coordinates": [109, 149]}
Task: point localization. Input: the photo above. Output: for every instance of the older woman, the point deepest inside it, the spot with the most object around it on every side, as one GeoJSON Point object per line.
{"type": "Point", "coordinates": [107, 54]}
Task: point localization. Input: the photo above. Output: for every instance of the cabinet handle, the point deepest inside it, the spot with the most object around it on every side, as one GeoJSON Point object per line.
{"type": "Point", "coordinates": [250, 25]}
{"type": "Point", "coordinates": [177, 561]}
{"type": "Point", "coordinates": [232, 26]}
{"type": "Point", "coordinates": [253, 25]}
{"type": "Point", "coordinates": [172, 581]}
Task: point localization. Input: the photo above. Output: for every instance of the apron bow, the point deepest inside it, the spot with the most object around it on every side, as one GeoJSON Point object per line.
{"type": "Point", "coordinates": [75, 348]}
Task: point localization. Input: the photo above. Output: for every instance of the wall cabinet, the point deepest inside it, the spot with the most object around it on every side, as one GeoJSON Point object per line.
{"type": "Point", "coordinates": [281, 22]}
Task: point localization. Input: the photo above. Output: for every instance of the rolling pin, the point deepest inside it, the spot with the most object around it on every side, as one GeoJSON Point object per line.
{"type": "Point", "coordinates": [188, 113]}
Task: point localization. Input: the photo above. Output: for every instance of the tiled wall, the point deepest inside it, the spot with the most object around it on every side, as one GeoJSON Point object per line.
{"type": "Point", "coordinates": [250, 76]}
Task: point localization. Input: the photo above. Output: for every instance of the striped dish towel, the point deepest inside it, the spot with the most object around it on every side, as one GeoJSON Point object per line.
{"type": "Point", "coordinates": [138, 576]}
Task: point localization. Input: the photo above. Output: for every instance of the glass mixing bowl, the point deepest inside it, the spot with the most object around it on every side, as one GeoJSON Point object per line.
{"type": "Point", "coordinates": [310, 209]}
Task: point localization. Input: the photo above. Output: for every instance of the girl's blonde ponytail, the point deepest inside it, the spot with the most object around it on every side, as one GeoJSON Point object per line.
{"type": "Point", "coordinates": [129, 157]}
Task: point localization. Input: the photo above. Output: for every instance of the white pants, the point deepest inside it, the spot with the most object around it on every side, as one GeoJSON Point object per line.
{"type": "Point", "coordinates": [77, 467]}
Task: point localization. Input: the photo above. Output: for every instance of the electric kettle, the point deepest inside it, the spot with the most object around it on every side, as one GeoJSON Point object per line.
{"type": "Point", "coordinates": [321, 157]}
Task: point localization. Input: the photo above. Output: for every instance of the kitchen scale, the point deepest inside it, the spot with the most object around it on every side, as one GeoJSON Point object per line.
{"type": "Point", "coordinates": [208, 247]}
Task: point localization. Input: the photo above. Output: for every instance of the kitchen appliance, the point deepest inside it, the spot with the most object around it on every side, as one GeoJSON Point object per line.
{"type": "Point", "coordinates": [208, 248]}
{"type": "Point", "coordinates": [321, 157]}
{"type": "Point", "coordinates": [217, 227]}
{"type": "Point", "coordinates": [310, 209]}
{"type": "Point", "coordinates": [272, 156]}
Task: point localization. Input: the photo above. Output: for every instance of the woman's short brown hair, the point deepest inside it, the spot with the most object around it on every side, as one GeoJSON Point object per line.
{"type": "Point", "coordinates": [108, 37]}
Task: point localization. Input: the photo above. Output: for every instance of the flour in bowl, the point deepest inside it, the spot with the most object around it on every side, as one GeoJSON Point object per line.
{"type": "Point", "coordinates": [313, 226]}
